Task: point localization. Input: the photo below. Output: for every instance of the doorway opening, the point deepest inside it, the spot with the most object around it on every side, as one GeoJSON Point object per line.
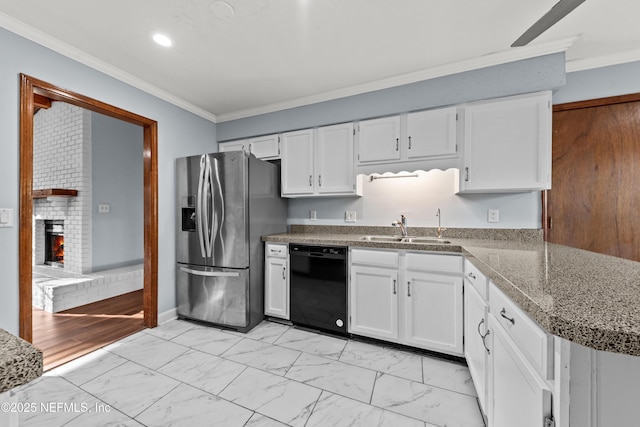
{"type": "Point", "coordinates": [35, 94]}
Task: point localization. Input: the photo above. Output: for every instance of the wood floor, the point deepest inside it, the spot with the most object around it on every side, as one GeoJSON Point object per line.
{"type": "Point", "coordinates": [69, 334]}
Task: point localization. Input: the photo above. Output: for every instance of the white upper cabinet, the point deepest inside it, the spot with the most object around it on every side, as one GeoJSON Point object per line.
{"type": "Point", "coordinates": [263, 147]}
{"type": "Point", "coordinates": [297, 163]}
{"type": "Point", "coordinates": [507, 145]}
{"type": "Point", "coordinates": [379, 140]}
{"type": "Point", "coordinates": [319, 162]}
{"type": "Point", "coordinates": [239, 145]}
{"type": "Point", "coordinates": [431, 133]}
{"type": "Point", "coordinates": [335, 165]}
{"type": "Point", "coordinates": [423, 135]}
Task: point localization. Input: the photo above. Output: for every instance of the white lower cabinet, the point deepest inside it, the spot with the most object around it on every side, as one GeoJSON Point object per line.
{"type": "Point", "coordinates": [392, 301]}
{"type": "Point", "coordinates": [433, 312]}
{"type": "Point", "coordinates": [276, 281]}
{"type": "Point", "coordinates": [520, 396]}
{"type": "Point", "coordinates": [374, 302]}
{"type": "Point", "coordinates": [476, 336]}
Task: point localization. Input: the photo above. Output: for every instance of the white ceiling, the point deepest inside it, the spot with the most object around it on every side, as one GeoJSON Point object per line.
{"type": "Point", "coordinates": [275, 54]}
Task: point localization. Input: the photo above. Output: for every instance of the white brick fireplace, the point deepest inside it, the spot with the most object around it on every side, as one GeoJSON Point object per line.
{"type": "Point", "coordinates": [62, 159]}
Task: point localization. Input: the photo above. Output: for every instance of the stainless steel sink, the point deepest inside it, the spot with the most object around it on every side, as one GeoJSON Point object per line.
{"type": "Point", "coordinates": [400, 239]}
{"type": "Point", "coordinates": [383, 238]}
{"type": "Point", "coordinates": [424, 240]}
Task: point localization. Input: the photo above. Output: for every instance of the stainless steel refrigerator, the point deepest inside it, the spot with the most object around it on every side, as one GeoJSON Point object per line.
{"type": "Point", "coordinates": [226, 203]}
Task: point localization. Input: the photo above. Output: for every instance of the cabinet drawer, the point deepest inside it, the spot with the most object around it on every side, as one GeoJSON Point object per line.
{"type": "Point", "coordinates": [278, 250]}
{"type": "Point", "coordinates": [386, 259]}
{"type": "Point", "coordinates": [434, 262]}
{"type": "Point", "coordinates": [534, 343]}
{"type": "Point", "coordinates": [476, 278]}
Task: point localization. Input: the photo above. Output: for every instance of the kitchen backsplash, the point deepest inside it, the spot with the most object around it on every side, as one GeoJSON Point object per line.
{"type": "Point", "coordinates": [418, 198]}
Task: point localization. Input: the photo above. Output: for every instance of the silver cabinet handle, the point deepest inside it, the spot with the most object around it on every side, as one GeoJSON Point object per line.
{"type": "Point", "coordinates": [484, 336]}
{"type": "Point", "coordinates": [473, 276]}
{"type": "Point", "coordinates": [310, 180]}
{"type": "Point", "coordinates": [397, 142]}
{"type": "Point", "coordinates": [409, 288]}
{"type": "Point", "coordinates": [467, 171]}
{"type": "Point", "coordinates": [284, 273]}
{"type": "Point", "coordinates": [394, 287]}
{"type": "Point", "coordinates": [503, 313]}
{"type": "Point", "coordinates": [250, 148]}
{"type": "Point", "coordinates": [319, 180]}
{"type": "Point", "coordinates": [409, 143]}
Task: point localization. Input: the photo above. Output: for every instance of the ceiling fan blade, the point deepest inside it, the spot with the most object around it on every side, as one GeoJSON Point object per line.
{"type": "Point", "coordinates": [557, 12]}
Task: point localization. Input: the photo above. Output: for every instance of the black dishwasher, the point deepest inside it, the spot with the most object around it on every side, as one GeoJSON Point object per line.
{"type": "Point", "coordinates": [318, 287]}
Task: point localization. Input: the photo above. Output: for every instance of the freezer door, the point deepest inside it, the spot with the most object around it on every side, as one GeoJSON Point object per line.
{"type": "Point", "coordinates": [214, 295]}
{"type": "Point", "coordinates": [212, 210]}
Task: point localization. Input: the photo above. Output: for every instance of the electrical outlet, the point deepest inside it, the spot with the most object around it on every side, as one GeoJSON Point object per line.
{"type": "Point", "coordinates": [312, 215]}
{"type": "Point", "coordinates": [103, 208]}
{"type": "Point", "coordinates": [350, 216]}
{"type": "Point", "coordinates": [493, 215]}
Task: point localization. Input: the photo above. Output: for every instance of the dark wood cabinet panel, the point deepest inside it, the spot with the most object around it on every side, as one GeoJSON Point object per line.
{"type": "Point", "coordinates": [594, 202]}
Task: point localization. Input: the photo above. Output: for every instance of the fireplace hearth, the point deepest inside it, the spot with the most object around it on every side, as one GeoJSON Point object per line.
{"type": "Point", "coordinates": [54, 243]}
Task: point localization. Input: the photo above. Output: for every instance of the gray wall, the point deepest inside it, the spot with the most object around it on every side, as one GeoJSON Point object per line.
{"type": "Point", "coordinates": [530, 75]}
{"type": "Point", "coordinates": [180, 133]}
{"type": "Point", "coordinates": [117, 180]}
{"type": "Point", "coordinates": [601, 82]}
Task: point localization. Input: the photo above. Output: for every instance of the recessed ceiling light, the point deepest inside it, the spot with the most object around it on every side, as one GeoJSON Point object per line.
{"type": "Point", "coordinates": [162, 40]}
{"type": "Point", "coordinates": [222, 10]}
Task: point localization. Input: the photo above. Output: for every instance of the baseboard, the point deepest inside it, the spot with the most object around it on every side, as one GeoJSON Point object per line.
{"type": "Point", "coordinates": [167, 316]}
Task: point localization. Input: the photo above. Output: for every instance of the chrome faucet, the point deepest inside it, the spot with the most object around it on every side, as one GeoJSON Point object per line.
{"type": "Point", "coordinates": [402, 223]}
{"type": "Point", "coordinates": [440, 228]}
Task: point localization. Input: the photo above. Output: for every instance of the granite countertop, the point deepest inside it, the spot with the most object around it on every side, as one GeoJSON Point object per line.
{"type": "Point", "coordinates": [588, 298]}
{"type": "Point", "coordinates": [20, 362]}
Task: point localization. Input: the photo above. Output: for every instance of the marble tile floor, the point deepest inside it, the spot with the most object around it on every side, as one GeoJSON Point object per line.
{"type": "Point", "coordinates": [185, 374]}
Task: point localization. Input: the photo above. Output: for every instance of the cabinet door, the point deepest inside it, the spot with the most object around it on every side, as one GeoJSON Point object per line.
{"type": "Point", "coordinates": [520, 397]}
{"type": "Point", "coordinates": [265, 147]}
{"type": "Point", "coordinates": [475, 347]}
{"type": "Point", "coordinates": [507, 145]}
{"type": "Point", "coordinates": [373, 306]}
{"type": "Point", "coordinates": [431, 133]}
{"type": "Point", "coordinates": [297, 163]}
{"type": "Point", "coordinates": [276, 292]}
{"type": "Point", "coordinates": [334, 163]}
{"type": "Point", "coordinates": [379, 140]}
{"type": "Point", "coordinates": [433, 312]}
{"type": "Point", "coordinates": [232, 146]}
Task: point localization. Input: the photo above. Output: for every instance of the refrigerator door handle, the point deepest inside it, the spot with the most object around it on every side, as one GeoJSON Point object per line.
{"type": "Point", "coordinates": [200, 211]}
{"type": "Point", "coordinates": [210, 273]}
{"type": "Point", "coordinates": [218, 208]}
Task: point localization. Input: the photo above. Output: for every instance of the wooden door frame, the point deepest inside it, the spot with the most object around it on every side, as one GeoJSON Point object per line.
{"type": "Point", "coordinates": [30, 87]}
{"type": "Point", "coordinates": [598, 102]}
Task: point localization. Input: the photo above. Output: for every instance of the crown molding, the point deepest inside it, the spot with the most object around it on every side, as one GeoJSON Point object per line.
{"type": "Point", "coordinates": [603, 61]}
{"type": "Point", "coordinates": [497, 58]}
{"type": "Point", "coordinates": [30, 33]}
{"type": "Point", "coordinates": [502, 57]}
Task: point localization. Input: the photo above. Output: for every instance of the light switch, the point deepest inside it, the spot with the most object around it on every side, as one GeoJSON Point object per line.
{"type": "Point", "coordinates": [6, 217]}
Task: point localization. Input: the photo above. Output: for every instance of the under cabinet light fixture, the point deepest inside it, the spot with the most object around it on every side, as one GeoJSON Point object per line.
{"type": "Point", "coordinates": [374, 177]}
